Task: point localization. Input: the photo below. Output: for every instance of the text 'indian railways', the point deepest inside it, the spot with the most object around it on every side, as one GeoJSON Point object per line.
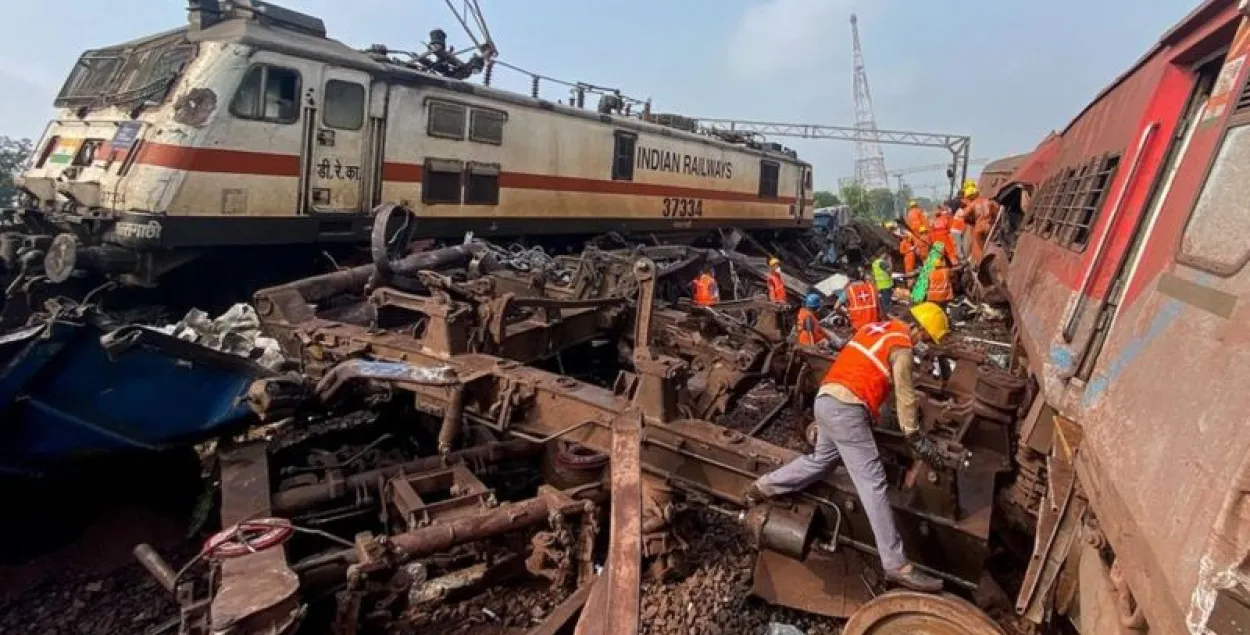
{"type": "Point", "coordinates": [679, 163]}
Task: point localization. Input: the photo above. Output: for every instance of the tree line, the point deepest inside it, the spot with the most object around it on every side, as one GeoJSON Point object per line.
{"type": "Point", "coordinates": [13, 154]}
{"type": "Point", "coordinates": [878, 204]}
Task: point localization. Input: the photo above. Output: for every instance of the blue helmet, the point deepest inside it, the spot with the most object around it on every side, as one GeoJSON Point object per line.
{"type": "Point", "coordinates": [812, 301]}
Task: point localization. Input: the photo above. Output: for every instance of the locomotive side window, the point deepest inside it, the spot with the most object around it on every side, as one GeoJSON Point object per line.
{"type": "Point", "coordinates": [770, 172]}
{"type": "Point", "coordinates": [623, 156]}
{"type": "Point", "coordinates": [486, 126]}
{"type": "Point", "coordinates": [344, 105]}
{"type": "Point", "coordinates": [268, 93]}
{"type": "Point", "coordinates": [483, 185]}
{"type": "Point", "coordinates": [446, 120]}
{"type": "Point", "coordinates": [440, 181]}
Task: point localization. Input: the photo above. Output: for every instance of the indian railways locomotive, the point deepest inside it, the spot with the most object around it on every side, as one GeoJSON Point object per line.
{"type": "Point", "coordinates": [249, 131]}
{"type": "Point", "coordinates": [1129, 288]}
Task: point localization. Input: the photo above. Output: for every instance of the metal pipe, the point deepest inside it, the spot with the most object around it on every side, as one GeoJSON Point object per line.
{"type": "Point", "coordinates": [300, 499]}
{"type": "Point", "coordinates": [1069, 324]}
{"type": "Point", "coordinates": [318, 288]}
{"type": "Point", "coordinates": [453, 418]}
{"type": "Point", "coordinates": [503, 519]}
{"type": "Point", "coordinates": [155, 565]}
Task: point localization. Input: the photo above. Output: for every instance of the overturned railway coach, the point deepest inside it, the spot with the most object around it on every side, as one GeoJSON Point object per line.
{"type": "Point", "coordinates": [250, 128]}
{"type": "Point", "coordinates": [1129, 287]}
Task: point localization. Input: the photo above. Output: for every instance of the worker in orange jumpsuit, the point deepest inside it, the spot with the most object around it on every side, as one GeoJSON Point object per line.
{"type": "Point", "coordinates": [807, 323]}
{"type": "Point", "coordinates": [706, 292]}
{"type": "Point", "coordinates": [861, 303]}
{"type": "Point", "coordinates": [907, 247]}
{"type": "Point", "coordinates": [982, 213]}
{"type": "Point", "coordinates": [919, 227]}
{"type": "Point", "coordinates": [942, 233]}
{"type": "Point", "coordinates": [776, 285]}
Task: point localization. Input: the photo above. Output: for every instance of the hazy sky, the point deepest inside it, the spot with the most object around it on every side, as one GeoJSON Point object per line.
{"type": "Point", "coordinates": [1005, 72]}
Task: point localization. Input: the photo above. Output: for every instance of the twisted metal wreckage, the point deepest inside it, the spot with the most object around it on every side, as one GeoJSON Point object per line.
{"type": "Point", "coordinates": [453, 343]}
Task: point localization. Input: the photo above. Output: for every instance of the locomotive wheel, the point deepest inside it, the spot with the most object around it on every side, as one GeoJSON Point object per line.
{"type": "Point", "coordinates": [912, 613]}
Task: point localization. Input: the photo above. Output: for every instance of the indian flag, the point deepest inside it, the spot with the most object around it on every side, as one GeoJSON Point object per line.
{"type": "Point", "coordinates": [64, 151]}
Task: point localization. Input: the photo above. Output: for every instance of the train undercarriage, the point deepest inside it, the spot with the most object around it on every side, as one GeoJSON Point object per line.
{"type": "Point", "coordinates": [456, 421]}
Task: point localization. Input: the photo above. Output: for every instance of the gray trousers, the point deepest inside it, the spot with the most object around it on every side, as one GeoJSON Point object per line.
{"type": "Point", "coordinates": [844, 431]}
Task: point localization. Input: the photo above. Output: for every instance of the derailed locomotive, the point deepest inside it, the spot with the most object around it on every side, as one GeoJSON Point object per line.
{"type": "Point", "coordinates": [1128, 283]}
{"type": "Point", "coordinates": [249, 130]}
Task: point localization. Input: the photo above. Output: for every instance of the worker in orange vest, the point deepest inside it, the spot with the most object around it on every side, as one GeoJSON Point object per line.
{"type": "Point", "coordinates": [942, 234]}
{"type": "Point", "coordinates": [807, 323]}
{"type": "Point", "coordinates": [850, 397]}
{"type": "Point", "coordinates": [706, 292]}
{"type": "Point", "coordinates": [776, 285]}
{"type": "Point", "coordinates": [861, 303]}
{"type": "Point", "coordinates": [959, 235]}
{"type": "Point", "coordinates": [940, 290]}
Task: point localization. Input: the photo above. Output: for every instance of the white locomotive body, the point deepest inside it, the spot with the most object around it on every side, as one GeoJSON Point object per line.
{"type": "Point", "coordinates": [250, 128]}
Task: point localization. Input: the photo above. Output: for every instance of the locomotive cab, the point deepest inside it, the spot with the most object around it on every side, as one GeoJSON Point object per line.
{"type": "Point", "coordinates": [243, 118]}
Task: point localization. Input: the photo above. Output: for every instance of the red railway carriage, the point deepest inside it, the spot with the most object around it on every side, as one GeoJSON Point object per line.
{"type": "Point", "coordinates": [1128, 283]}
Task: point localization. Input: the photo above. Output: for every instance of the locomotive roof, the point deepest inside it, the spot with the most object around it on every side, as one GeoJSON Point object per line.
{"type": "Point", "coordinates": [254, 33]}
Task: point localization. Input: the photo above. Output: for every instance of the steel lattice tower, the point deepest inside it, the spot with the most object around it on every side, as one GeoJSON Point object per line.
{"type": "Point", "coordinates": [869, 160]}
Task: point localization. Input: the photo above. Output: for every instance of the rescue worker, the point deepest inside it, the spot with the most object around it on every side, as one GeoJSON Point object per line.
{"type": "Point", "coordinates": [807, 323]}
{"type": "Point", "coordinates": [776, 285]}
{"type": "Point", "coordinates": [982, 214]}
{"type": "Point", "coordinates": [958, 234]}
{"type": "Point", "coordinates": [883, 280]}
{"type": "Point", "coordinates": [940, 290]}
{"type": "Point", "coordinates": [907, 247]}
{"type": "Point", "coordinates": [919, 227]}
{"type": "Point", "coordinates": [706, 292]}
{"type": "Point", "coordinates": [861, 303]}
{"type": "Point", "coordinates": [849, 399]}
{"type": "Point", "coordinates": [942, 234]}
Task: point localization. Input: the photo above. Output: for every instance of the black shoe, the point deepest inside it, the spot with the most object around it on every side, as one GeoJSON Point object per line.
{"type": "Point", "coordinates": [753, 496]}
{"type": "Point", "coordinates": [914, 579]}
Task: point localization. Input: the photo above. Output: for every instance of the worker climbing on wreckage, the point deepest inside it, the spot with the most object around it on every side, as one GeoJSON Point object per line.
{"type": "Point", "coordinates": [776, 284]}
{"type": "Point", "coordinates": [706, 291]}
{"type": "Point", "coordinates": [982, 213]}
{"type": "Point", "coordinates": [848, 401]}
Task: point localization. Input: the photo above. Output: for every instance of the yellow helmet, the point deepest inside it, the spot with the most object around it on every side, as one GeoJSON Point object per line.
{"type": "Point", "coordinates": [932, 319]}
{"type": "Point", "coordinates": [773, 262]}
{"type": "Point", "coordinates": [890, 225]}
{"type": "Point", "coordinates": [911, 203]}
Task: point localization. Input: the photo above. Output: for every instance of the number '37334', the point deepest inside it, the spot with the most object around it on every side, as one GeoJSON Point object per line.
{"type": "Point", "coordinates": [683, 207]}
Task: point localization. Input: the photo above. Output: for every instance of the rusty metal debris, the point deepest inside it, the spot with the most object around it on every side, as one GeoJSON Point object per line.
{"type": "Point", "coordinates": [555, 416]}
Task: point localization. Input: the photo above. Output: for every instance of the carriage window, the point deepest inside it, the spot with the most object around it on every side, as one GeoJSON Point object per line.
{"type": "Point", "coordinates": [482, 187]}
{"type": "Point", "coordinates": [440, 181]}
{"type": "Point", "coordinates": [769, 174]}
{"type": "Point", "coordinates": [1213, 238]}
{"type": "Point", "coordinates": [268, 93]}
{"type": "Point", "coordinates": [623, 156]}
{"type": "Point", "coordinates": [486, 126]}
{"type": "Point", "coordinates": [446, 120]}
{"type": "Point", "coordinates": [1092, 204]}
{"type": "Point", "coordinates": [344, 105]}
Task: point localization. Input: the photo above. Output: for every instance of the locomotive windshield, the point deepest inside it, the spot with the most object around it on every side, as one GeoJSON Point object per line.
{"type": "Point", "coordinates": [126, 75]}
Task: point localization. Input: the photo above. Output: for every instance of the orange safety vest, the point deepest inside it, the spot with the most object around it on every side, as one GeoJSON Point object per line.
{"type": "Point", "coordinates": [915, 220]}
{"type": "Point", "coordinates": [940, 285]}
{"type": "Point", "coordinates": [776, 287]}
{"type": "Point", "coordinates": [808, 326]}
{"type": "Point", "coordinates": [908, 248]}
{"type": "Point", "coordinates": [705, 291]}
{"type": "Point", "coordinates": [863, 365]}
{"type": "Point", "coordinates": [942, 233]}
{"type": "Point", "coordinates": [959, 222]}
{"type": "Point", "coordinates": [861, 303]}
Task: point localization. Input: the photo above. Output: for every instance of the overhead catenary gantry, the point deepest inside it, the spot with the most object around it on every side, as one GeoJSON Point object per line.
{"type": "Point", "coordinates": [958, 145]}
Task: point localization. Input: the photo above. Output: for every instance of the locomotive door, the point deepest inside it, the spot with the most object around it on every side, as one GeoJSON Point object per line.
{"type": "Point", "coordinates": [336, 169]}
